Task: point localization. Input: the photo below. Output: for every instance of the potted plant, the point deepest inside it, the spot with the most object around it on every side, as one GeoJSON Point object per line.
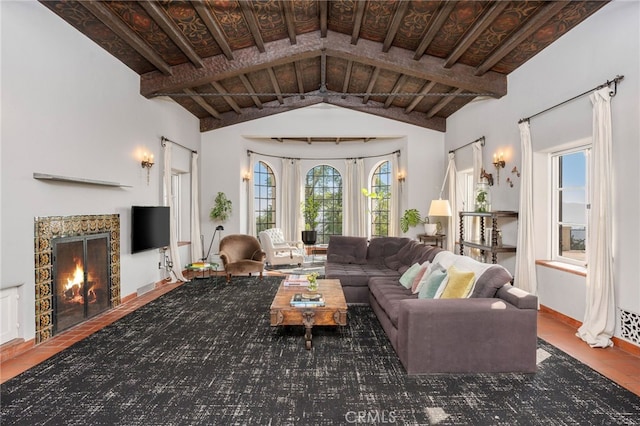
{"type": "Point", "coordinates": [222, 207]}
{"type": "Point", "coordinates": [412, 217]}
{"type": "Point", "coordinates": [310, 211]}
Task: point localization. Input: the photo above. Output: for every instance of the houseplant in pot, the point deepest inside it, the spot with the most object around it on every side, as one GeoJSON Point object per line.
{"type": "Point", "coordinates": [310, 211]}
{"type": "Point", "coordinates": [412, 217]}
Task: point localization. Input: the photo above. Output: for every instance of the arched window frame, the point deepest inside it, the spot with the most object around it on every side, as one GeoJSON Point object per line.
{"type": "Point", "coordinates": [318, 180]}
{"type": "Point", "coordinates": [380, 206]}
{"type": "Point", "coordinates": [264, 190]}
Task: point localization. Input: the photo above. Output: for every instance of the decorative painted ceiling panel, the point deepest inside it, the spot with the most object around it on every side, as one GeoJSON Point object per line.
{"type": "Point", "coordinates": [229, 61]}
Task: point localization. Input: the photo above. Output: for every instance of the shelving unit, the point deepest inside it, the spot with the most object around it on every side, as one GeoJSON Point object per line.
{"type": "Point", "coordinates": [483, 245]}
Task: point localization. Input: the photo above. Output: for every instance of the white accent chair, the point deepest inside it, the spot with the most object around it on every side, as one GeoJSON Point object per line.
{"type": "Point", "coordinates": [279, 251]}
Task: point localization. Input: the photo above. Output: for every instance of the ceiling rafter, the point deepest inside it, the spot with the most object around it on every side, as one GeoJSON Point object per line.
{"type": "Point", "coordinates": [203, 103]}
{"type": "Point", "coordinates": [107, 17]}
{"type": "Point", "coordinates": [247, 84]}
{"type": "Point", "coordinates": [544, 14]}
{"type": "Point", "coordinates": [209, 21]}
{"type": "Point", "coordinates": [168, 26]}
{"type": "Point", "coordinates": [287, 6]}
{"type": "Point", "coordinates": [398, 16]}
{"type": "Point", "coordinates": [423, 92]}
{"type": "Point", "coordinates": [252, 23]}
{"type": "Point", "coordinates": [225, 95]}
{"type": "Point", "coordinates": [347, 78]}
{"type": "Point", "coordinates": [372, 82]}
{"type": "Point", "coordinates": [276, 86]}
{"type": "Point", "coordinates": [445, 10]}
{"type": "Point", "coordinates": [324, 11]}
{"type": "Point", "coordinates": [472, 35]}
{"type": "Point", "coordinates": [357, 25]}
{"type": "Point", "coordinates": [299, 80]}
{"type": "Point", "coordinates": [442, 103]}
{"type": "Point", "coordinates": [396, 88]}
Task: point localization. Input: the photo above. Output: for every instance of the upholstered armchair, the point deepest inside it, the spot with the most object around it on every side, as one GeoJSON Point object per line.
{"type": "Point", "coordinates": [240, 255]}
{"type": "Point", "coordinates": [279, 251]}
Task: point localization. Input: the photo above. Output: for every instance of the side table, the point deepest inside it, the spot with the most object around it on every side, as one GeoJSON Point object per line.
{"type": "Point", "coordinates": [434, 240]}
{"type": "Point", "coordinates": [202, 267]}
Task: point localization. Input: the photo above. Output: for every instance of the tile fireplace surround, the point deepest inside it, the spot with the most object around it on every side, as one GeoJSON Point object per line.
{"type": "Point", "coordinates": [48, 228]}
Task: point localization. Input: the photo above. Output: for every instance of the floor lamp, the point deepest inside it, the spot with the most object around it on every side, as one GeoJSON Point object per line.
{"type": "Point", "coordinates": [218, 228]}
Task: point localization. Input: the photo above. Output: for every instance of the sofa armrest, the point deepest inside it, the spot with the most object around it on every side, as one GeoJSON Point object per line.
{"type": "Point", "coordinates": [517, 297]}
{"type": "Point", "coordinates": [466, 335]}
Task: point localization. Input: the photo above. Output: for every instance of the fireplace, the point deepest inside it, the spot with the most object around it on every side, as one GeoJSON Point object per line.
{"type": "Point", "coordinates": [77, 270]}
{"type": "Point", "coordinates": [81, 279]}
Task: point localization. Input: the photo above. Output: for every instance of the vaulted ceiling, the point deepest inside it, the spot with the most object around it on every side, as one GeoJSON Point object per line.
{"type": "Point", "coordinates": [229, 61]}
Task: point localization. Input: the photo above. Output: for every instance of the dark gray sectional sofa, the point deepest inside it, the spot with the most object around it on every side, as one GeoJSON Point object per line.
{"type": "Point", "coordinates": [493, 330]}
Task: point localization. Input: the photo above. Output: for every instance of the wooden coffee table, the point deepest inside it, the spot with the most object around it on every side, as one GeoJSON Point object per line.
{"type": "Point", "coordinates": [333, 313]}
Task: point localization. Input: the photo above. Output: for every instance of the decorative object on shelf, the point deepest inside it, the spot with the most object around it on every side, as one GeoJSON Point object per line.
{"type": "Point", "coordinates": [310, 211]}
{"type": "Point", "coordinates": [313, 281]}
{"type": "Point", "coordinates": [498, 163]}
{"type": "Point", "coordinates": [147, 163]}
{"type": "Point", "coordinates": [222, 208]}
{"type": "Point", "coordinates": [482, 196]}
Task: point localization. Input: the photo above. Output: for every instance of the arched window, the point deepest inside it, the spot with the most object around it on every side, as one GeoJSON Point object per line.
{"type": "Point", "coordinates": [264, 198]}
{"type": "Point", "coordinates": [381, 185]}
{"type": "Point", "coordinates": [324, 185]}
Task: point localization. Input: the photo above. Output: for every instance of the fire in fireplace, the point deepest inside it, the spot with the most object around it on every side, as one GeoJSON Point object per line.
{"type": "Point", "coordinates": [81, 279]}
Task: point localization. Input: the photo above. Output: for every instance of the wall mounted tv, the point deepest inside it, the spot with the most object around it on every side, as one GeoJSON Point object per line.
{"type": "Point", "coordinates": [149, 228]}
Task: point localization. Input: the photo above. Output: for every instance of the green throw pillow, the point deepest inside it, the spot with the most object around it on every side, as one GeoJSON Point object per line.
{"type": "Point", "coordinates": [459, 285]}
{"type": "Point", "coordinates": [410, 274]}
{"type": "Point", "coordinates": [430, 287]}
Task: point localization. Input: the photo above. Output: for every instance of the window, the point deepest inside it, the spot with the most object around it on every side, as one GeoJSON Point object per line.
{"type": "Point", "coordinates": [466, 186]}
{"type": "Point", "coordinates": [381, 185]}
{"type": "Point", "coordinates": [569, 205]}
{"type": "Point", "coordinates": [264, 201]}
{"type": "Point", "coordinates": [176, 198]}
{"type": "Point", "coordinates": [324, 184]}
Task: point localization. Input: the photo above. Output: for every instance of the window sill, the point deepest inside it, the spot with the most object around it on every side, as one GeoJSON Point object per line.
{"type": "Point", "coordinates": [566, 267]}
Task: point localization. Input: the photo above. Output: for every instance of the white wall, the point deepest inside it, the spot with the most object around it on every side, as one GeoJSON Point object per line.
{"type": "Point", "coordinates": [69, 108]}
{"type": "Point", "coordinates": [224, 155]}
{"type": "Point", "coordinates": [603, 46]}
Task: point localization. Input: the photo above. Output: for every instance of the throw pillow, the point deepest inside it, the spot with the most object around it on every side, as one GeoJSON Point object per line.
{"type": "Point", "coordinates": [407, 278]}
{"type": "Point", "coordinates": [459, 284]}
{"type": "Point", "coordinates": [434, 280]}
{"type": "Point", "coordinates": [392, 262]}
{"type": "Point", "coordinates": [415, 286]}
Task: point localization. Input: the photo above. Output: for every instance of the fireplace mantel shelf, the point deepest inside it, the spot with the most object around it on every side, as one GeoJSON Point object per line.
{"type": "Point", "coordinates": [45, 176]}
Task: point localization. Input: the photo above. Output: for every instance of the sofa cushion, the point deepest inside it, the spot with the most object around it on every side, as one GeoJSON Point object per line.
{"type": "Point", "coordinates": [415, 286]}
{"type": "Point", "coordinates": [389, 294]}
{"type": "Point", "coordinates": [433, 282]}
{"type": "Point", "coordinates": [382, 247]}
{"type": "Point", "coordinates": [459, 284]}
{"type": "Point", "coordinates": [409, 275]}
{"type": "Point", "coordinates": [491, 281]}
{"type": "Point", "coordinates": [343, 249]}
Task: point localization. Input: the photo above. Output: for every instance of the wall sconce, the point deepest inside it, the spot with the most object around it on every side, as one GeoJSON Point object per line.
{"type": "Point", "coordinates": [246, 177]}
{"type": "Point", "coordinates": [498, 162]}
{"type": "Point", "coordinates": [147, 163]}
{"type": "Point", "coordinates": [401, 177]}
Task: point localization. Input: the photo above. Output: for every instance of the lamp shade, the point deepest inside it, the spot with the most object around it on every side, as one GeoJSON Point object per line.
{"type": "Point", "coordinates": [440, 208]}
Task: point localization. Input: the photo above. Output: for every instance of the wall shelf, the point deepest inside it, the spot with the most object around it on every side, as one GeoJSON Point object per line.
{"type": "Point", "coordinates": [57, 178]}
{"type": "Point", "coordinates": [485, 245]}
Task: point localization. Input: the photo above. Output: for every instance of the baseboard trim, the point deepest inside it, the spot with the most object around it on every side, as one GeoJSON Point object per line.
{"type": "Point", "coordinates": [620, 343]}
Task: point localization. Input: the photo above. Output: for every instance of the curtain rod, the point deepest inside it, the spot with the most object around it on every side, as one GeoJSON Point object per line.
{"type": "Point", "coordinates": [163, 142]}
{"type": "Point", "coordinates": [481, 138]}
{"type": "Point", "coordinates": [608, 83]}
{"type": "Point", "coordinates": [397, 152]}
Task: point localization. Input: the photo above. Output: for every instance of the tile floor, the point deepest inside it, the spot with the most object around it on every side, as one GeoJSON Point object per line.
{"type": "Point", "coordinates": [620, 366]}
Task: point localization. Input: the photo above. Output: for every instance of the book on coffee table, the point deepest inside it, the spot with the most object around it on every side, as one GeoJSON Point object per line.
{"type": "Point", "coordinates": [296, 280]}
{"type": "Point", "coordinates": [307, 300]}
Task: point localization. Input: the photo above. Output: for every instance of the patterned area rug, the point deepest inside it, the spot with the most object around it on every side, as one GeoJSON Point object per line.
{"type": "Point", "coordinates": [205, 354]}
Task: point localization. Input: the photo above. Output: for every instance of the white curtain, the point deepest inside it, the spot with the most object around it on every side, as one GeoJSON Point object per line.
{"type": "Point", "coordinates": [454, 220]}
{"type": "Point", "coordinates": [291, 187]}
{"type": "Point", "coordinates": [173, 246]}
{"type": "Point", "coordinates": [477, 169]}
{"type": "Point", "coordinates": [251, 219]}
{"type": "Point", "coordinates": [394, 213]}
{"type": "Point", "coordinates": [354, 208]}
{"type": "Point", "coordinates": [599, 317]}
{"type": "Point", "coordinates": [525, 268]}
{"type": "Point", "coordinates": [196, 242]}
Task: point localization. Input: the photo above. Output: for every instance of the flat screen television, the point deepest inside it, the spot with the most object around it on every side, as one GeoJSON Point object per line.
{"type": "Point", "coordinates": [149, 227]}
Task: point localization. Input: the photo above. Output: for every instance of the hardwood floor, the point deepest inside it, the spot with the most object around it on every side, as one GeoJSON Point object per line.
{"type": "Point", "coordinates": [620, 366]}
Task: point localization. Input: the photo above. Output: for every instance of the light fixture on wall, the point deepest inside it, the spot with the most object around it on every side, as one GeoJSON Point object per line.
{"type": "Point", "coordinates": [147, 163]}
{"type": "Point", "coordinates": [246, 177]}
{"type": "Point", "coordinates": [498, 162]}
{"type": "Point", "coordinates": [401, 177]}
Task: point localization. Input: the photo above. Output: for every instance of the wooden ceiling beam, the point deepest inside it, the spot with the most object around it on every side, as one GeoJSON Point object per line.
{"type": "Point", "coordinates": [372, 83]}
{"type": "Point", "coordinates": [251, 90]}
{"type": "Point", "coordinates": [252, 23]}
{"type": "Point", "coordinates": [225, 95]}
{"type": "Point", "coordinates": [324, 13]}
{"type": "Point", "coordinates": [207, 17]}
{"type": "Point", "coordinates": [396, 88]}
{"type": "Point", "coordinates": [443, 102]}
{"type": "Point", "coordinates": [203, 103]}
{"type": "Point", "coordinates": [287, 6]}
{"type": "Point", "coordinates": [337, 45]}
{"type": "Point", "coordinates": [115, 24]}
{"type": "Point", "coordinates": [347, 78]}
{"type": "Point", "coordinates": [168, 26]}
{"type": "Point", "coordinates": [472, 35]}
{"type": "Point", "coordinates": [445, 10]}
{"type": "Point", "coordinates": [425, 89]}
{"type": "Point", "coordinates": [276, 86]}
{"type": "Point", "coordinates": [398, 16]}
{"type": "Point", "coordinates": [545, 13]}
{"type": "Point", "coordinates": [357, 25]}
{"type": "Point", "coordinates": [298, 72]}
